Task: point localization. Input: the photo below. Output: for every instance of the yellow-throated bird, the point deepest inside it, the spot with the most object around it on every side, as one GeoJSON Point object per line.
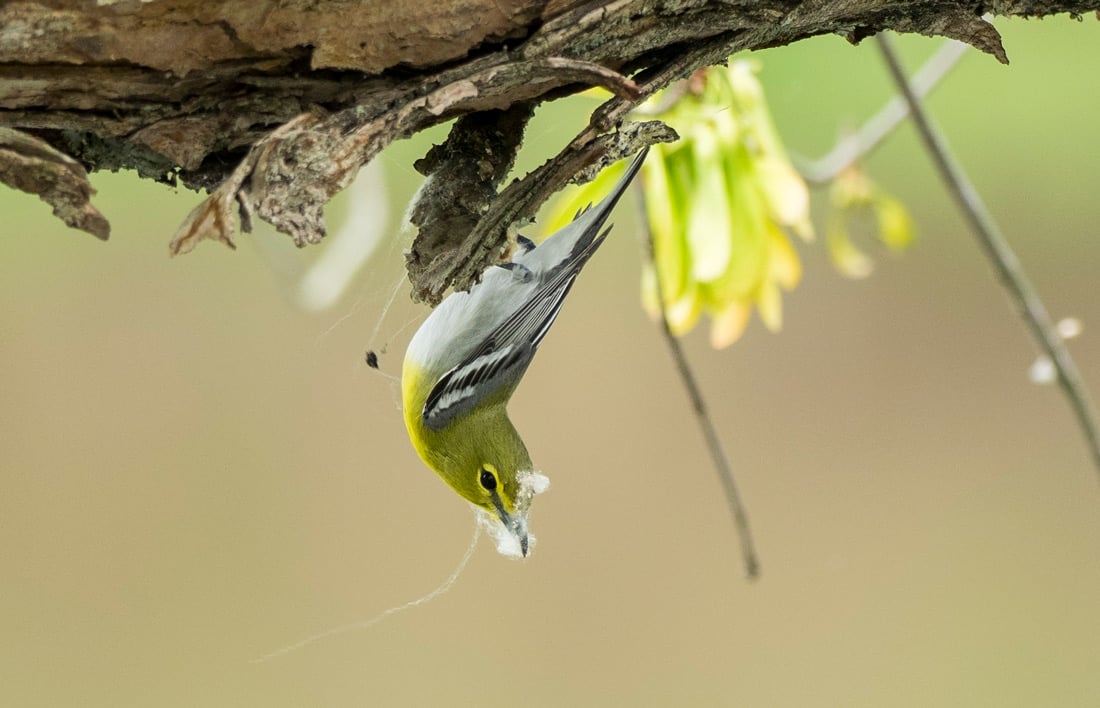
{"type": "Point", "coordinates": [467, 358]}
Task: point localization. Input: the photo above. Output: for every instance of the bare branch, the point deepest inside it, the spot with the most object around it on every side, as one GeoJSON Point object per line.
{"type": "Point", "coordinates": [592, 74]}
{"type": "Point", "coordinates": [1000, 255]}
{"type": "Point", "coordinates": [699, 406]}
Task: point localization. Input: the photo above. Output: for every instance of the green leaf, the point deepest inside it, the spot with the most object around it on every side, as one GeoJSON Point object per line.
{"type": "Point", "coordinates": [784, 267]}
{"type": "Point", "coordinates": [846, 257]}
{"type": "Point", "coordinates": [709, 225]}
{"type": "Point", "coordinates": [769, 302]}
{"type": "Point", "coordinates": [895, 226]}
{"type": "Point", "coordinates": [667, 183]}
{"type": "Point", "coordinates": [727, 326]}
{"type": "Point", "coordinates": [786, 194]}
{"type": "Point", "coordinates": [747, 237]}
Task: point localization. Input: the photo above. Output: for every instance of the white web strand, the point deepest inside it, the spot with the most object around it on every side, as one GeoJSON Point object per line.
{"type": "Point", "coordinates": [320, 288]}
{"type": "Point", "coordinates": [366, 624]}
{"type": "Point", "coordinates": [371, 342]}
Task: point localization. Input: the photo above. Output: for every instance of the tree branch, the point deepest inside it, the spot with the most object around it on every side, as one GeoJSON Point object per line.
{"type": "Point", "coordinates": [706, 425]}
{"type": "Point", "coordinates": [274, 105]}
{"type": "Point", "coordinates": [1000, 255]}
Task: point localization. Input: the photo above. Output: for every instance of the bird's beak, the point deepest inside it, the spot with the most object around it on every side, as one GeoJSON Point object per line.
{"type": "Point", "coordinates": [521, 536]}
{"type": "Point", "coordinates": [518, 531]}
{"type": "Point", "coordinates": [509, 529]}
{"type": "Point", "coordinates": [515, 523]}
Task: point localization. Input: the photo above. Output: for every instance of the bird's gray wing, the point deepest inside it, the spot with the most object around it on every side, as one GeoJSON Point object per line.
{"type": "Point", "coordinates": [507, 351]}
{"type": "Point", "coordinates": [502, 357]}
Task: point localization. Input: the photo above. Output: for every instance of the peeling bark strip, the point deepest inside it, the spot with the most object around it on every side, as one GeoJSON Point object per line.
{"type": "Point", "coordinates": [275, 104]}
{"type": "Point", "coordinates": [30, 165]}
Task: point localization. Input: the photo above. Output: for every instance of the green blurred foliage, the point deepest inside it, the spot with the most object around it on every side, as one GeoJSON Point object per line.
{"type": "Point", "coordinates": [721, 201]}
{"type": "Point", "coordinates": [853, 197]}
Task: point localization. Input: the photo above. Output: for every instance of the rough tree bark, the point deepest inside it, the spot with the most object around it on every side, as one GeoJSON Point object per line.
{"type": "Point", "coordinates": [273, 105]}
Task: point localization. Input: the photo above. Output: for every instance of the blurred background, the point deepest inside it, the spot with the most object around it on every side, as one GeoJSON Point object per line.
{"type": "Point", "coordinates": [196, 472]}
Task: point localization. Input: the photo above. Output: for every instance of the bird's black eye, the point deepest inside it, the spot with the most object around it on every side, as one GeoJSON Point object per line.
{"type": "Point", "coordinates": [488, 480]}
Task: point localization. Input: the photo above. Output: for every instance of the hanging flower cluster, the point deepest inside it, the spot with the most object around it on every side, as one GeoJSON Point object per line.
{"type": "Point", "coordinates": [718, 203]}
{"type": "Point", "coordinates": [722, 203]}
{"type": "Point", "coordinates": [854, 200]}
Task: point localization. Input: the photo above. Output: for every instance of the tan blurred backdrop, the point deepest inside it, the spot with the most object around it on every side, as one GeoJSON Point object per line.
{"type": "Point", "coordinates": [194, 473]}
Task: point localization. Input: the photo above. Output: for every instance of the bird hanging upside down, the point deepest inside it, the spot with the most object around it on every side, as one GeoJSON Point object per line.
{"type": "Point", "coordinates": [469, 355]}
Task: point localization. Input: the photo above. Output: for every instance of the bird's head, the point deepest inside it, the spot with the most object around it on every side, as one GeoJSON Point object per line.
{"type": "Point", "coordinates": [505, 500]}
{"type": "Point", "coordinates": [489, 466]}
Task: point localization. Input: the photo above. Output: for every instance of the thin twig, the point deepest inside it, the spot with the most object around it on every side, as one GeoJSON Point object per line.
{"type": "Point", "coordinates": [854, 147]}
{"type": "Point", "coordinates": [593, 74]}
{"type": "Point", "coordinates": [714, 445]}
{"type": "Point", "coordinates": [1000, 254]}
